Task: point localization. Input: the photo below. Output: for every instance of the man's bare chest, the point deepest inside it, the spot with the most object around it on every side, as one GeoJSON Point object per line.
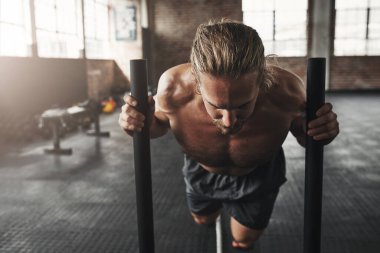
{"type": "Point", "coordinates": [255, 143]}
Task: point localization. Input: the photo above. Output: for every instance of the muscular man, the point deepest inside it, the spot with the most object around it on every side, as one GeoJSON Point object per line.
{"type": "Point", "coordinates": [231, 111]}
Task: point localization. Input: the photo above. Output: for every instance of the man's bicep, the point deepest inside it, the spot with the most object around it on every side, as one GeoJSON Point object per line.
{"type": "Point", "coordinates": [160, 114]}
{"type": "Point", "coordinates": [298, 91]}
{"type": "Point", "coordinates": [160, 123]}
{"type": "Point", "coordinates": [298, 129]}
{"type": "Point", "coordinates": [298, 126]}
{"type": "Point", "coordinates": [162, 119]}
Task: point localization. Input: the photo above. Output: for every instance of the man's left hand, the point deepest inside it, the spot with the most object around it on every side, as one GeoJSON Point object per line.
{"type": "Point", "coordinates": [326, 126]}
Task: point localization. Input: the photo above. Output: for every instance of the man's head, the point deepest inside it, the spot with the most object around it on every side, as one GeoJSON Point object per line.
{"type": "Point", "coordinates": [228, 62]}
{"type": "Point", "coordinates": [227, 48]}
{"type": "Point", "coordinates": [229, 102]}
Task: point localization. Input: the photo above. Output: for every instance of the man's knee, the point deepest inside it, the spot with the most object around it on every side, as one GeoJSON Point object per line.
{"type": "Point", "coordinates": [248, 238]}
{"type": "Point", "coordinates": [244, 237]}
{"type": "Point", "coordinates": [205, 219]}
{"type": "Point", "coordinates": [202, 220]}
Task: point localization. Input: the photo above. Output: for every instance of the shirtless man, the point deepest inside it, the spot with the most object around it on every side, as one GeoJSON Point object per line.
{"type": "Point", "coordinates": [231, 112]}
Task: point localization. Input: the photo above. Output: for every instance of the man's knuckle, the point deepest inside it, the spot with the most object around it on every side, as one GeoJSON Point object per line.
{"type": "Point", "coordinates": [332, 125]}
{"type": "Point", "coordinates": [124, 125]}
{"type": "Point", "coordinates": [324, 128]}
{"type": "Point", "coordinates": [129, 120]}
{"type": "Point", "coordinates": [134, 113]}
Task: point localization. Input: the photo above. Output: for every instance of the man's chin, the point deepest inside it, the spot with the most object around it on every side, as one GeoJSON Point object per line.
{"type": "Point", "coordinates": [230, 131]}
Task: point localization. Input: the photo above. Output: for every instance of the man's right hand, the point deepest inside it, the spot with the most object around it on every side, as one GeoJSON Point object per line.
{"type": "Point", "coordinates": [130, 120]}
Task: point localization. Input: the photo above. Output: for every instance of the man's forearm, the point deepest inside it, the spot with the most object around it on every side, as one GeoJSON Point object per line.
{"type": "Point", "coordinates": [157, 128]}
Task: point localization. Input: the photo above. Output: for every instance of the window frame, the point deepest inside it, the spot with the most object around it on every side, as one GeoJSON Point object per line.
{"type": "Point", "coordinates": [274, 43]}
{"type": "Point", "coordinates": [25, 52]}
{"type": "Point", "coordinates": [365, 38]}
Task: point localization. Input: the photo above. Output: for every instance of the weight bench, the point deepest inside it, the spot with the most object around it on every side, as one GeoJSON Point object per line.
{"type": "Point", "coordinates": [58, 119]}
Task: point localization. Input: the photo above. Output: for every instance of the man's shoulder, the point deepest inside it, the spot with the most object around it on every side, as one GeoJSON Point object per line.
{"type": "Point", "coordinates": [288, 88]}
{"type": "Point", "coordinates": [175, 88]}
{"type": "Point", "coordinates": [287, 80]}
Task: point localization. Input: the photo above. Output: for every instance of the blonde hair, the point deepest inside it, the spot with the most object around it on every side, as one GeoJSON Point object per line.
{"type": "Point", "coordinates": [231, 49]}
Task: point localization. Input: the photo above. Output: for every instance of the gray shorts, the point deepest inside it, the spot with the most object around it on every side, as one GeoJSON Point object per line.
{"type": "Point", "coordinates": [249, 198]}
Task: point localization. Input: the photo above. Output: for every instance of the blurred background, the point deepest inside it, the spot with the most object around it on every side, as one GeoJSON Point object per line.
{"type": "Point", "coordinates": [102, 36]}
{"type": "Point", "coordinates": [64, 67]}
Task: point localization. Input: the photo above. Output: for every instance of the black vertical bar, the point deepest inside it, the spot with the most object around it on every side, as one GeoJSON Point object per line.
{"type": "Point", "coordinates": [316, 72]}
{"type": "Point", "coordinates": [84, 54]}
{"type": "Point", "coordinates": [56, 137]}
{"type": "Point", "coordinates": [34, 47]}
{"type": "Point", "coordinates": [97, 123]}
{"type": "Point", "coordinates": [146, 42]}
{"type": "Point", "coordinates": [274, 25]}
{"type": "Point", "coordinates": [367, 24]}
{"type": "Point", "coordinates": [141, 145]}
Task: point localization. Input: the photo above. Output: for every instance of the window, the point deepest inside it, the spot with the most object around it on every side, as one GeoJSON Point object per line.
{"type": "Point", "coordinates": [357, 27]}
{"type": "Point", "coordinates": [281, 26]}
{"type": "Point", "coordinates": [58, 28]}
{"type": "Point", "coordinates": [14, 27]}
{"type": "Point", "coordinates": [97, 28]}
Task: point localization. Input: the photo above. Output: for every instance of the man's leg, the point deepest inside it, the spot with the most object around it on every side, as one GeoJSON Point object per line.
{"type": "Point", "coordinates": [244, 237]}
{"type": "Point", "coordinates": [206, 219]}
{"type": "Point", "coordinates": [249, 218]}
{"type": "Point", "coordinates": [203, 210]}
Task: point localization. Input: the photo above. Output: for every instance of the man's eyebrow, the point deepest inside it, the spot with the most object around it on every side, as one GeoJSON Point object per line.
{"type": "Point", "coordinates": [228, 107]}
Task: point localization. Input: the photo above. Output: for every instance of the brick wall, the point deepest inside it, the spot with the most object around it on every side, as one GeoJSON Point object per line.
{"type": "Point", "coordinates": [100, 78]}
{"type": "Point", "coordinates": [297, 65]}
{"type": "Point", "coordinates": [105, 77]}
{"type": "Point", "coordinates": [355, 72]}
{"type": "Point", "coordinates": [346, 72]}
{"type": "Point", "coordinates": [175, 23]}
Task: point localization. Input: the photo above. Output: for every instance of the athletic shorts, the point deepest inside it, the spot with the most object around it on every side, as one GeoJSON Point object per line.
{"type": "Point", "coordinates": [249, 198]}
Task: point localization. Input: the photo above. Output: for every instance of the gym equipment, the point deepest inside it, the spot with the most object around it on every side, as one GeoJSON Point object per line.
{"type": "Point", "coordinates": [58, 119]}
{"type": "Point", "coordinates": [219, 235]}
{"type": "Point", "coordinates": [141, 145]}
{"type": "Point", "coordinates": [315, 98]}
{"type": "Point", "coordinates": [95, 110]}
{"type": "Point", "coordinates": [313, 170]}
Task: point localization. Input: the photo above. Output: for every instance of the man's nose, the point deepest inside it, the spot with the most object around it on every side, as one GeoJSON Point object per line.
{"type": "Point", "coordinates": [229, 118]}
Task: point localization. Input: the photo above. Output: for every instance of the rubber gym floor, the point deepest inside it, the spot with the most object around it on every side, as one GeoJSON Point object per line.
{"type": "Point", "coordinates": [86, 202]}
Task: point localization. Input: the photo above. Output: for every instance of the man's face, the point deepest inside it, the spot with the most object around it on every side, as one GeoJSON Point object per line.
{"type": "Point", "coordinates": [229, 102]}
